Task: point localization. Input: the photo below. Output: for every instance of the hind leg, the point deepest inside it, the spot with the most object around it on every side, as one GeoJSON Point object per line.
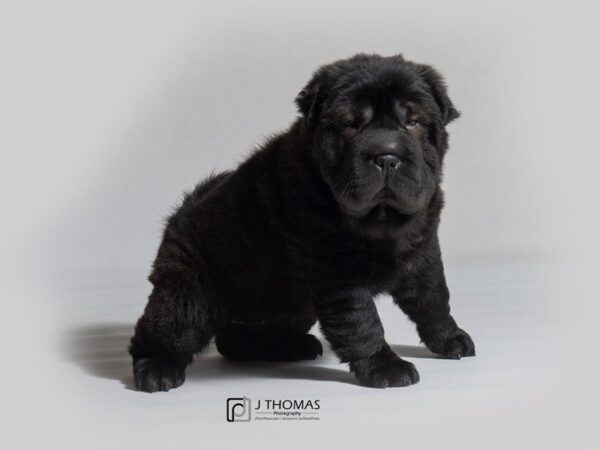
{"type": "Point", "coordinates": [177, 323]}
{"type": "Point", "coordinates": [282, 340]}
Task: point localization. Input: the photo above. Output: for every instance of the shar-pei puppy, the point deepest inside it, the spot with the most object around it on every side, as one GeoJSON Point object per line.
{"type": "Point", "coordinates": [342, 206]}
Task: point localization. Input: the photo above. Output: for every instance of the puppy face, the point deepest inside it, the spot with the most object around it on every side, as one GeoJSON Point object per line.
{"type": "Point", "coordinates": [377, 126]}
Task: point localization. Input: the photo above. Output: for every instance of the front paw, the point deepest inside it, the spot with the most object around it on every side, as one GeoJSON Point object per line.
{"type": "Point", "coordinates": [455, 346]}
{"type": "Point", "coordinates": [157, 374]}
{"type": "Point", "coordinates": [384, 369]}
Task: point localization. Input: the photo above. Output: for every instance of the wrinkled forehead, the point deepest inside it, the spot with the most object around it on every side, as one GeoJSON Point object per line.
{"type": "Point", "coordinates": [379, 90]}
{"type": "Point", "coordinates": [383, 95]}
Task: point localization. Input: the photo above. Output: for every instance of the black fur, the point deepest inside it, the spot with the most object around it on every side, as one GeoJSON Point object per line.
{"type": "Point", "coordinates": [342, 206]}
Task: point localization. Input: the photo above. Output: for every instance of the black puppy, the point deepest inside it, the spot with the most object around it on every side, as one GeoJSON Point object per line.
{"type": "Point", "coordinates": [339, 208]}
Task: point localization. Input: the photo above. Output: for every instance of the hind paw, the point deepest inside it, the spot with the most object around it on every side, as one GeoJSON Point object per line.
{"type": "Point", "coordinates": [307, 347]}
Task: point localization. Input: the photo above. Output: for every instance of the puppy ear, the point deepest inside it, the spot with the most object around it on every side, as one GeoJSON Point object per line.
{"type": "Point", "coordinates": [440, 92]}
{"type": "Point", "coordinates": [308, 100]}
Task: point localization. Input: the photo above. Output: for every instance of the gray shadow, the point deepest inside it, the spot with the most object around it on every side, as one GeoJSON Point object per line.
{"type": "Point", "coordinates": [214, 366]}
{"type": "Point", "coordinates": [414, 351]}
{"type": "Point", "coordinates": [101, 351]}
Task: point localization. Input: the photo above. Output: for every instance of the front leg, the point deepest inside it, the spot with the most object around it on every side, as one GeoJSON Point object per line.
{"type": "Point", "coordinates": [424, 297]}
{"type": "Point", "coordinates": [351, 325]}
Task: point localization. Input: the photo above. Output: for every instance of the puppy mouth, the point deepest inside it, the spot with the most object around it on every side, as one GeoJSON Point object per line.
{"type": "Point", "coordinates": [385, 195]}
{"type": "Point", "coordinates": [384, 205]}
{"type": "Point", "coordinates": [384, 212]}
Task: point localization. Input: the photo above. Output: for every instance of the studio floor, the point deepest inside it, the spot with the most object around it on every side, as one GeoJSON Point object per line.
{"type": "Point", "coordinates": [515, 391]}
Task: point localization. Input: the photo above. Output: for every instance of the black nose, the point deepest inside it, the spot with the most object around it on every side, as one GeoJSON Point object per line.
{"type": "Point", "coordinates": [386, 162]}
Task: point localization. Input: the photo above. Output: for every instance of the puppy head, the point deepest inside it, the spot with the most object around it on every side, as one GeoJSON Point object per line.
{"type": "Point", "coordinates": [377, 125]}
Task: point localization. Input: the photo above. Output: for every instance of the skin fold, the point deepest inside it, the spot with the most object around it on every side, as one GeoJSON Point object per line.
{"type": "Point", "coordinates": [341, 207]}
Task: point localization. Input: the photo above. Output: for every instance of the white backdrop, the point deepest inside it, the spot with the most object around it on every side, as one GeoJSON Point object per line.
{"type": "Point", "coordinates": [111, 109]}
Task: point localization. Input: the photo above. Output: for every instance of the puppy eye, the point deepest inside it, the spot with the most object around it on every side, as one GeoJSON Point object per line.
{"type": "Point", "coordinates": [412, 123]}
{"type": "Point", "coordinates": [350, 124]}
